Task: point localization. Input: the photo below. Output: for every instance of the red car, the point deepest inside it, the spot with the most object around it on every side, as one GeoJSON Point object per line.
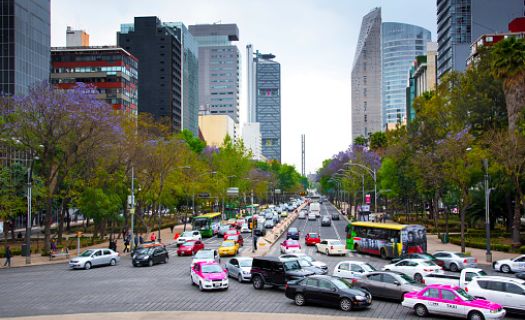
{"type": "Point", "coordinates": [312, 239]}
{"type": "Point", "coordinates": [235, 237]}
{"type": "Point", "coordinates": [231, 232]}
{"type": "Point", "coordinates": [190, 248]}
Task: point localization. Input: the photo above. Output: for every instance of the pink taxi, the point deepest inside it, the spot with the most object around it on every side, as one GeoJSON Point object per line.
{"type": "Point", "coordinates": [209, 276]}
{"type": "Point", "coordinates": [451, 301]}
{"type": "Point", "coordinates": [290, 246]}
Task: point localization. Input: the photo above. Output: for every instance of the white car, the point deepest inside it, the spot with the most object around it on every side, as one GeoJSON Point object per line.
{"type": "Point", "coordinates": [352, 269]}
{"type": "Point", "coordinates": [414, 268]}
{"type": "Point", "coordinates": [507, 265]}
{"type": "Point", "coordinates": [302, 215]}
{"type": "Point", "coordinates": [311, 216]}
{"type": "Point", "coordinates": [94, 257]}
{"type": "Point", "coordinates": [509, 292]}
{"type": "Point", "coordinates": [304, 256]}
{"type": "Point", "coordinates": [331, 246]}
{"type": "Point", "coordinates": [189, 235]}
{"type": "Point", "coordinates": [206, 255]}
{"type": "Point", "coordinates": [245, 228]}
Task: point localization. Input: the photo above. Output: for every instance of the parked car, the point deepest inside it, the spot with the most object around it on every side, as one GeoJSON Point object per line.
{"type": "Point", "coordinates": [239, 268]}
{"type": "Point", "coordinates": [335, 216]}
{"type": "Point", "coordinates": [188, 235]}
{"type": "Point", "coordinates": [300, 255]}
{"type": "Point", "coordinates": [416, 269]}
{"type": "Point", "coordinates": [293, 233]}
{"type": "Point", "coordinates": [237, 238]}
{"type": "Point", "coordinates": [506, 291]}
{"type": "Point", "coordinates": [352, 269]}
{"type": "Point", "coordinates": [228, 248]}
{"type": "Point", "coordinates": [150, 256]}
{"type": "Point", "coordinates": [455, 261]}
{"type": "Point", "coordinates": [451, 301]}
{"type": "Point", "coordinates": [94, 257]}
{"type": "Point", "coordinates": [325, 221]}
{"type": "Point", "coordinates": [312, 238]}
{"type": "Point", "coordinates": [328, 291]}
{"type": "Point", "coordinates": [424, 256]}
{"type": "Point", "coordinates": [388, 284]}
{"type": "Point", "coordinates": [209, 276]}
{"type": "Point", "coordinates": [510, 265]}
{"type": "Point", "coordinates": [190, 248]}
{"type": "Point", "coordinates": [311, 216]}
{"type": "Point", "coordinates": [272, 271]}
{"type": "Point", "coordinates": [305, 265]}
{"type": "Point", "coordinates": [289, 246]}
{"type": "Point", "coordinates": [206, 255]}
{"type": "Point", "coordinates": [461, 281]}
{"type": "Point", "coordinates": [331, 246]}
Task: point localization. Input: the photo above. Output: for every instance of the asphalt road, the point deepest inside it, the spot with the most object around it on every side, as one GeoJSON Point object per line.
{"type": "Point", "coordinates": [54, 289]}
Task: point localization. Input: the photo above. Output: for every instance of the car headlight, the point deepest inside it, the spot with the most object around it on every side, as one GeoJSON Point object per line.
{"type": "Point", "coordinates": [360, 298]}
{"type": "Point", "coordinates": [145, 258]}
{"type": "Point", "coordinates": [494, 310]}
{"type": "Point", "coordinates": [245, 272]}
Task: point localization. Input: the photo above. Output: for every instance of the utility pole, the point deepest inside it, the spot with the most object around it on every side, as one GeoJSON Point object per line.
{"type": "Point", "coordinates": [303, 162]}
{"type": "Point", "coordinates": [488, 254]}
{"type": "Point", "coordinates": [132, 210]}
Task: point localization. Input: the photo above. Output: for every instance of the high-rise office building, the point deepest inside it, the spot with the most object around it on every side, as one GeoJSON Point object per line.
{"type": "Point", "coordinates": [400, 44]}
{"type": "Point", "coordinates": [112, 70]}
{"type": "Point", "coordinates": [219, 68]}
{"type": "Point", "coordinates": [25, 42]}
{"type": "Point", "coordinates": [76, 38]}
{"type": "Point", "coordinates": [366, 77]}
{"type": "Point", "coordinates": [264, 87]}
{"type": "Point", "coordinates": [168, 70]}
{"type": "Point", "coordinates": [460, 22]}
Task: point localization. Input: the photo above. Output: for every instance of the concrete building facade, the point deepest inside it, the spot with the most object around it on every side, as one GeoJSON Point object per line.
{"type": "Point", "coordinates": [400, 43]}
{"type": "Point", "coordinates": [251, 136]}
{"type": "Point", "coordinates": [366, 77]}
{"type": "Point", "coordinates": [76, 38]}
{"type": "Point", "coordinates": [219, 68]}
{"type": "Point", "coordinates": [25, 41]}
{"type": "Point", "coordinates": [215, 127]}
{"type": "Point", "coordinates": [460, 22]}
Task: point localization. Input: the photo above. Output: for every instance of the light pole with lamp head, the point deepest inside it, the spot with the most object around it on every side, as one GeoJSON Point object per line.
{"type": "Point", "coordinates": [372, 173]}
{"type": "Point", "coordinates": [29, 204]}
{"type": "Point", "coordinates": [185, 211]}
{"type": "Point", "coordinates": [488, 254]}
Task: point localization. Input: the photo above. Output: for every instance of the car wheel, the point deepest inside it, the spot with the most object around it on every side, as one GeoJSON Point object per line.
{"type": "Point", "coordinates": [420, 310]}
{"type": "Point", "coordinates": [505, 268]}
{"type": "Point", "coordinates": [258, 282]}
{"type": "Point", "coordinates": [87, 266]}
{"type": "Point", "coordinates": [178, 254]}
{"type": "Point", "coordinates": [113, 262]}
{"type": "Point", "coordinates": [150, 263]}
{"type": "Point", "coordinates": [475, 315]}
{"type": "Point", "coordinates": [454, 267]}
{"type": "Point", "coordinates": [239, 277]}
{"type": "Point", "coordinates": [327, 252]}
{"type": "Point", "coordinates": [402, 296]}
{"type": "Point", "coordinates": [201, 288]}
{"type": "Point", "coordinates": [345, 304]}
{"type": "Point", "coordinates": [299, 299]}
{"type": "Point", "coordinates": [418, 277]}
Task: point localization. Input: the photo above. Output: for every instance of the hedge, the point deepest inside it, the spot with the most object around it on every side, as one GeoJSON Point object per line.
{"type": "Point", "coordinates": [482, 244]}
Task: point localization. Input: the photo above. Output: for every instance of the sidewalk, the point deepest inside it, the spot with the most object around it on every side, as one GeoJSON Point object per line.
{"type": "Point", "coordinates": [37, 259]}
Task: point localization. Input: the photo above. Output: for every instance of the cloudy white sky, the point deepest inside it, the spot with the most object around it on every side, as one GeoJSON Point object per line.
{"type": "Point", "coordinates": [314, 40]}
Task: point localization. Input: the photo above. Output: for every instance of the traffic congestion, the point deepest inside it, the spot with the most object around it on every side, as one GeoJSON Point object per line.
{"type": "Point", "coordinates": [336, 265]}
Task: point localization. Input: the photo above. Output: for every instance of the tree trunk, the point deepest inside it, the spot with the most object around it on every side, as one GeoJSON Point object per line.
{"type": "Point", "coordinates": [435, 211]}
{"type": "Point", "coordinates": [48, 218]}
{"type": "Point", "coordinates": [462, 219]}
{"type": "Point", "coordinates": [509, 213]}
{"type": "Point", "coordinates": [514, 98]}
{"type": "Point", "coordinates": [516, 225]}
{"type": "Point", "coordinates": [62, 218]}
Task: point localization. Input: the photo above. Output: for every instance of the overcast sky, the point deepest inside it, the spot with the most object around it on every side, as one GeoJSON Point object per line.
{"type": "Point", "coordinates": [314, 40]}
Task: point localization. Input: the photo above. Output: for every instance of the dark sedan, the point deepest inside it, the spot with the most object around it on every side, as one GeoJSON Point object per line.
{"type": "Point", "coordinates": [335, 216]}
{"type": "Point", "coordinates": [292, 233]}
{"type": "Point", "coordinates": [149, 256]}
{"type": "Point", "coordinates": [328, 291]}
{"type": "Point", "coordinates": [325, 221]}
{"type": "Point", "coordinates": [388, 284]}
{"type": "Point", "coordinates": [424, 256]}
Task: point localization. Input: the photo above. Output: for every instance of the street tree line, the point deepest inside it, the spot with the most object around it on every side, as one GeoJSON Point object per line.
{"type": "Point", "coordinates": [470, 119]}
{"type": "Point", "coordinates": [82, 154]}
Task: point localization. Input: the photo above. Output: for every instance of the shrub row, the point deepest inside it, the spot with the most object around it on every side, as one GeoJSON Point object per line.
{"type": "Point", "coordinates": [481, 244]}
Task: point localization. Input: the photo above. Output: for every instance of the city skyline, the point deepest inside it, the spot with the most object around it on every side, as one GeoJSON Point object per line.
{"type": "Point", "coordinates": [303, 60]}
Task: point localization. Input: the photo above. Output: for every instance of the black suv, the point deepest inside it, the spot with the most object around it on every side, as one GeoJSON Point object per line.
{"type": "Point", "coordinates": [292, 233]}
{"type": "Point", "coordinates": [149, 256]}
{"type": "Point", "coordinates": [273, 271]}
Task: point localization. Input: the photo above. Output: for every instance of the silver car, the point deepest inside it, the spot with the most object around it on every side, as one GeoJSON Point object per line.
{"type": "Point", "coordinates": [94, 257]}
{"type": "Point", "coordinates": [240, 268]}
{"type": "Point", "coordinates": [455, 261]}
{"type": "Point", "coordinates": [388, 284]}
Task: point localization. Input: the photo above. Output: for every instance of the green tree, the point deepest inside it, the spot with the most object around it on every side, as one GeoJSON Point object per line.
{"type": "Point", "coordinates": [360, 141]}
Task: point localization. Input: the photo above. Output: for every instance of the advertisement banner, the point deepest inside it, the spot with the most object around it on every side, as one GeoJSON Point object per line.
{"type": "Point", "coordinates": [368, 199]}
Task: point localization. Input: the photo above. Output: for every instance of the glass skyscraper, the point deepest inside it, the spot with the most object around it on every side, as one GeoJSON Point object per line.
{"type": "Point", "coordinates": [25, 42]}
{"type": "Point", "coordinates": [400, 44]}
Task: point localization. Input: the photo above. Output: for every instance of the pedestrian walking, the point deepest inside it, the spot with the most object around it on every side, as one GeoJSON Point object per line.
{"type": "Point", "coordinates": [53, 246]}
{"type": "Point", "coordinates": [255, 239]}
{"type": "Point", "coordinates": [8, 256]}
{"type": "Point", "coordinates": [171, 228]}
{"type": "Point", "coordinates": [136, 240]}
{"type": "Point", "coordinates": [153, 237]}
{"type": "Point", "coordinates": [126, 244]}
{"type": "Point", "coordinates": [141, 239]}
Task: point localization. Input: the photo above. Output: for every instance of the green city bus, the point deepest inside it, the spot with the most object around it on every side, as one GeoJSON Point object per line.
{"type": "Point", "coordinates": [207, 224]}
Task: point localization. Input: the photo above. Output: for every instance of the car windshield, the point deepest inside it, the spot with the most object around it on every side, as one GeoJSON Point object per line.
{"type": "Point", "coordinates": [245, 263]}
{"type": "Point", "coordinates": [292, 230]}
{"type": "Point", "coordinates": [336, 243]}
{"type": "Point", "coordinates": [342, 283]}
{"type": "Point", "coordinates": [482, 273]}
{"type": "Point", "coordinates": [305, 263]}
{"type": "Point", "coordinates": [406, 278]}
{"type": "Point", "coordinates": [292, 265]}
{"type": "Point", "coordinates": [428, 263]}
{"type": "Point", "coordinates": [187, 234]}
{"type": "Point", "coordinates": [464, 295]}
{"type": "Point", "coordinates": [461, 255]}
{"type": "Point", "coordinates": [188, 244]}
{"type": "Point", "coordinates": [292, 243]}
{"type": "Point", "coordinates": [369, 267]}
{"type": "Point", "coordinates": [200, 223]}
{"type": "Point", "coordinates": [204, 254]}
{"type": "Point", "coordinates": [425, 256]}
{"type": "Point", "coordinates": [313, 235]}
{"type": "Point", "coordinates": [211, 268]}
{"type": "Point", "coordinates": [87, 253]}
{"type": "Point", "coordinates": [144, 251]}
{"type": "Point", "coordinates": [308, 258]}
{"type": "Point", "coordinates": [228, 244]}
{"type": "Point", "coordinates": [233, 238]}
{"type": "Point", "coordinates": [232, 232]}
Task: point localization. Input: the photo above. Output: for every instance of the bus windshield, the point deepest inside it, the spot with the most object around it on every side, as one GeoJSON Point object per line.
{"type": "Point", "coordinates": [200, 223]}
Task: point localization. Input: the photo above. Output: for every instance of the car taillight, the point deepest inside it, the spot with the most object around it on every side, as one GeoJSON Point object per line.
{"type": "Point", "coordinates": [466, 289]}
{"type": "Point", "coordinates": [331, 247]}
{"type": "Point", "coordinates": [423, 281]}
{"type": "Point", "coordinates": [286, 286]}
{"type": "Point", "coordinates": [465, 261]}
{"type": "Point", "coordinates": [475, 260]}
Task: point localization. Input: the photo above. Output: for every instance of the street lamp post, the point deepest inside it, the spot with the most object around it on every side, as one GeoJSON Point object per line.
{"type": "Point", "coordinates": [29, 206]}
{"type": "Point", "coordinates": [487, 209]}
{"type": "Point", "coordinates": [373, 173]}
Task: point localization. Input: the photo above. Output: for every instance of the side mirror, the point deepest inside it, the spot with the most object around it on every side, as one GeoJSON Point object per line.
{"type": "Point", "coordinates": [334, 289]}
{"type": "Point", "coordinates": [397, 283]}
